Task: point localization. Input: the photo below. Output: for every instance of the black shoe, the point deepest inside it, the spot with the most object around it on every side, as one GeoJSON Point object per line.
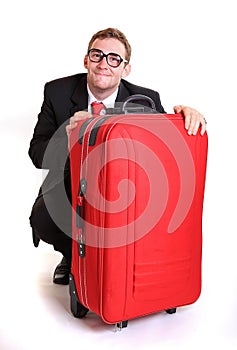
{"type": "Point", "coordinates": [61, 273]}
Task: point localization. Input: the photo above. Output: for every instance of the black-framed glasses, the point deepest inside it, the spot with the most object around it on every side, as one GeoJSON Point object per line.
{"type": "Point", "coordinates": [113, 59]}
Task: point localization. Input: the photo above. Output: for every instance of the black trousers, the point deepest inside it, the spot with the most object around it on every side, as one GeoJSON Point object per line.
{"type": "Point", "coordinates": [50, 220]}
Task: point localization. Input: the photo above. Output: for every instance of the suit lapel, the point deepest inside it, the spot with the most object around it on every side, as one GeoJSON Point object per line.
{"type": "Point", "coordinates": [80, 96]}
{"type": "Point", "coordinates": [122, 93]}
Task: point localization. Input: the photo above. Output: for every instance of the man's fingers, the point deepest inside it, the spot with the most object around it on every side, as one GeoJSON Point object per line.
{"type": "Point", "coordinates": [75, 119]}
{"type": "Point", "coordinates": [204, 126]}
{"type": "Point", "coordinates": [193, 119]}
{"type": "Point", "coordinates": [80, 115]}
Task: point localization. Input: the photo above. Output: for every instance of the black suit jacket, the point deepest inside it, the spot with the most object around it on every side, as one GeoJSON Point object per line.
{"type": "Point", "coordinates": [62, 98]}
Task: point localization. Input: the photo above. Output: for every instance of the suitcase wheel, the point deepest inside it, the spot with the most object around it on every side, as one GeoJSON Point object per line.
{"type": "Point", "coordinates": [78, 310]}
{"type": "Point", "coordinates": [120, 325]}
{"type": "Point", "coordinates": [171, 311]}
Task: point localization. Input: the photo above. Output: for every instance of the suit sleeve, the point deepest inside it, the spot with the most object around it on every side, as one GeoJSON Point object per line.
{"type": "Point", "coordinates": [48, 146]}
{"type": "Point", "coordinates": [158, 104]}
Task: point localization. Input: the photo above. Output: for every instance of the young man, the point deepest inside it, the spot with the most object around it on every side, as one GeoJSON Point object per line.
{"type": "Point", "coordinates": [65, 101]}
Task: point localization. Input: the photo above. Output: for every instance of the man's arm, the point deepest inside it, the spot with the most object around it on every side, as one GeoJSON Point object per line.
{"type": "Point", "coordinates": [48, 146]}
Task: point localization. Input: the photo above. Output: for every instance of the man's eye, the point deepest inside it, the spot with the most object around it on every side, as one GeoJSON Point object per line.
{"type": "Point", "coordinates": [114, 59]}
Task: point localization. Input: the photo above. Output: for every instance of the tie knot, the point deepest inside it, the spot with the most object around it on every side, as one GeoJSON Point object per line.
{"type": "Point", "coordinates": [98, 108]}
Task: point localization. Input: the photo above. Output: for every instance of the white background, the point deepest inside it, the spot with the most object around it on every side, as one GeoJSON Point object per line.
{"type": "Point", "coordinates": [184, 49]}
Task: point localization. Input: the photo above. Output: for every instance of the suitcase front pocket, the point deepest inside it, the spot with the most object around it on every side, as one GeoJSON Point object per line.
{"type": "Point", "coordinates": [156, 281]}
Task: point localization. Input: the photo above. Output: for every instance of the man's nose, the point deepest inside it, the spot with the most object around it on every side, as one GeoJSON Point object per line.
{"type": "Point", "coordinates": [103, 63]}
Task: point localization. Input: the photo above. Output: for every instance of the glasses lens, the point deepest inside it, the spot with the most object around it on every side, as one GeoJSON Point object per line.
{"type": "Point", "coordinates": [95, 55]}
{"type": "Point", "coordinates": [114, 60]}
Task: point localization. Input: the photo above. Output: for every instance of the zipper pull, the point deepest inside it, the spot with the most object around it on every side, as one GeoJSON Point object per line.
{"type": "Point", "coordinates": [81, 246]}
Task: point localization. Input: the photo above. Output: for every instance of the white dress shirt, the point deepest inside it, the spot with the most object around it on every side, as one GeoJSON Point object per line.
{"type": "Point", "coordinates": [108, 102]}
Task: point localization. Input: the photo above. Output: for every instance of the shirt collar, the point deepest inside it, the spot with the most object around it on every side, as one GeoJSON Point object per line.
{"type": "Point", "coordinates": [108, 102]}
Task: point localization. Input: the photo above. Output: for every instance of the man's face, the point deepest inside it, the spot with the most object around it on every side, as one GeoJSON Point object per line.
{"type": "Point", "coordinates": [101, 77]}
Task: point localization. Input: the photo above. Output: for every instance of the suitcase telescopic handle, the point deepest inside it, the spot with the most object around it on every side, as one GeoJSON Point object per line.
{"type": "Point", "coordinates": [137, 98]}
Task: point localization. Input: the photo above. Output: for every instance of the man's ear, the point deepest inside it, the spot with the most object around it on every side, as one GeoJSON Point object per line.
{"type": "Point", "coordinates": [86, 61]}
{"type": "Point", "coordinates": [126, 71]}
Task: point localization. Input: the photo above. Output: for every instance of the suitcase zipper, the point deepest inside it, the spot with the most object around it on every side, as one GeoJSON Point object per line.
{"type": "Point", "coordinates": [84, 136]}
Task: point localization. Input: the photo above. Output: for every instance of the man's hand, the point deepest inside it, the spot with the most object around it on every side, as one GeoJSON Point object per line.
{"type": "Point", "coordinates": [193, 119]}
{"type": "Point", "coordinates": [74, 120]}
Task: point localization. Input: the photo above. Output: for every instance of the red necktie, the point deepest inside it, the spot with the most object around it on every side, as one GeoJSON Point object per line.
{"type": "Point", "coordinates": [97, 107]}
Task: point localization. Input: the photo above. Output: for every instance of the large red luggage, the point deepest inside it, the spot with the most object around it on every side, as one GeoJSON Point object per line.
{"type": "Point", "coordinates": [137, 196]}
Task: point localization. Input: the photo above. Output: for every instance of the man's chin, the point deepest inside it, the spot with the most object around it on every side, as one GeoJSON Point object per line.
{"type": "Point", "coordinates": [101, 85]}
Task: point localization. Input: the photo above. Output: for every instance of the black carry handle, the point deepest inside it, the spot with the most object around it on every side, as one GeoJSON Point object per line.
{"type": "Point", "coordinates": [121, 108]}
{"type": "Point", "coordinates": [137, 98]}
{"type": "Point", "coordinates": [133, 108]}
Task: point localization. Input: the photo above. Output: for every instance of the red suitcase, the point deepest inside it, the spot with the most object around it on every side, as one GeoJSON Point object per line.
{"type": "Point", "coordinates": [137, 196]}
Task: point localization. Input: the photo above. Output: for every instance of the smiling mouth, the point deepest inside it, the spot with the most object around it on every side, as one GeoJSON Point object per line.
{"type": "Point", "coordinates": [102, 74]}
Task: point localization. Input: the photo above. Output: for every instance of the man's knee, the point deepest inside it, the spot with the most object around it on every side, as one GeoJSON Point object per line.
{"type": "Point", "coordinates": [41, 222]}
